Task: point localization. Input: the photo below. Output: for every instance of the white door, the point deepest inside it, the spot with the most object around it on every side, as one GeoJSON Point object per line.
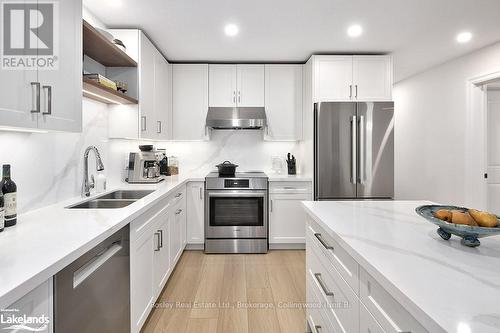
{"type": "Point", "coordinates": [287, 218]}
{"type": "Point", "coordinates": [161, 261]}
{"type": "Point", "coordinates": [195, 212]}
{"type": "Point", "coordinates": [372, 78]}
{"type": "Point", "coordinates": [283, 102]}
{"type": "Point", "coordinates": [148, 121]}
{"type": "Point", "coordinates": [61, 89]}
{"type": "Point", "coordinates": [163, 97]}
{"type": "Point", "coordinates": [333, 78]}
{"type": "Point", "coordinates": [222, 85]}
{"type": "Point", "coordinates": [250, 85]}
{"type": "Point", "coordinates": [190, 101]}
{"type": "Point", "coordinates": [493, 180]}
{"type": "Point", "coordinates": [142, 287]}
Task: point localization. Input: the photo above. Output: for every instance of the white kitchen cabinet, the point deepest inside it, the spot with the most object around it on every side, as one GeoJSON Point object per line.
{"type": "Point", "coordinates": [195, 212]}
{"type": "Point", "coordinates": [250, 84]}
{"type": "Point", "coordinates": [283, 102]}
{"type": "Point", "coordinates": [163, 98]}
{"type": "Point", "coordinates": [54, 94]}
{"type": "Point", "coordinates": [368, 324]}
{"type": "Point", "coordinates": [352, 78]}
{"type": "Point", "coordinates": [161, 262]}
{"type": "Point", "coordinates": [286, 215]}
{"type": "Point", "coordinates": [236, 85]}
{"type": "Point", "coordinates": [190, 101]}
{"type": "Point", "coordinates": [178, 230]}
{"type": "Point", "coordinates": [36, 303]}
{"type": "Point", "coordinates": [222, 85]}
{"type": "Point", "coordinates": [146, 88]}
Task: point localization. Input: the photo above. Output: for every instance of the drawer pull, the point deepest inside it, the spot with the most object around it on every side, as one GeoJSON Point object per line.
{"type": "Point", "coordinates": [323, 285]}
{"type": "Point", "coordinates": [322, 241]}
{"type": "Point", "coordinates": [317, 328]}
{"type": "Point", "coordinates": [386, 316]}
{"type": "Point", "coordinates": [178, 211]}
{"type": "Point", "coordinates": [178, 195]}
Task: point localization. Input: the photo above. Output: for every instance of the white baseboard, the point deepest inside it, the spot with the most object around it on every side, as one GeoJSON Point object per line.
{"type": "Point", "coordinates": [287, 246]}
{"type": "Point", "coordinates": [195, 246]}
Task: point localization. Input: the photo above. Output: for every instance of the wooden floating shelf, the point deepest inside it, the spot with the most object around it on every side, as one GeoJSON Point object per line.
{"type": "Point", "coordinates": [98, 92]}
{"type": "Point", "coordinates": [102, 50]}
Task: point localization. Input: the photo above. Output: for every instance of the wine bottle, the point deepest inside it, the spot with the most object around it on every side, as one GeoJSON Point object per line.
{"type": "Point", "coordinates": [2, 213]}
{"type": "Point", "coordinates": [9, 190]}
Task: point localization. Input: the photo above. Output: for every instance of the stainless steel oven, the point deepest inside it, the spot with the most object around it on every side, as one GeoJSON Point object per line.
{"type": "Point", "coordinates": [236, 213]}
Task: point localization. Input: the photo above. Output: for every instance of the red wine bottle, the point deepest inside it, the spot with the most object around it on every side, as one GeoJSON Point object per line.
{"type": "Point", "coordinates": [2, 213]}
{"type": "Point", "coordinates": [9, 191]}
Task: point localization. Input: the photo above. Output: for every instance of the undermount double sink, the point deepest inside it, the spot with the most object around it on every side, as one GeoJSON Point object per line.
{"type": "Point", "coordinates": [115, 199]}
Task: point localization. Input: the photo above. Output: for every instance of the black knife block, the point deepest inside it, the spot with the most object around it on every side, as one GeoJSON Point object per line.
{"type": "Point", "coordinates": [292, 168]}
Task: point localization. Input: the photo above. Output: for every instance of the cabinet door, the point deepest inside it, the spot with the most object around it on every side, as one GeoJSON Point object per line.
{"type": "Point", "coordinates": [195, 213]}
{"type": "Point", "coordinates": [61, 89]}
{"type": "Point", "coordinates": [142, 286]}
{"type": "Point", "coordinates": [176, 235]}
{"type": "Point", "coordinates": [368, 324]}
{"type": "Point", "coordinates": [163, 98]}
{"type": "Point", "coordinates": [36, 303]}
{"type": "Point", "coordinates": [222, 85]}
{"type": "Point", "coordinates": [283, 86]}
{"type": "Point", "coordinates": [250, 84]}
{"type": "Point", "coordinates": [161, 262]}
{"type": "Point", "coordinates": [190, 101]}
{"type": "Point", "coordinates": [372, 78]}
{"type": "Point", "coordinates": [146, 89]}
{"type": "Point", "coordinates": [287, 218]}
{"type": "Point", "coordinates": [333, 78]}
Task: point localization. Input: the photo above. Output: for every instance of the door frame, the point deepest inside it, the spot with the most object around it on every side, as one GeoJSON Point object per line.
{"type": "Point", "coordinates": [476, 143]}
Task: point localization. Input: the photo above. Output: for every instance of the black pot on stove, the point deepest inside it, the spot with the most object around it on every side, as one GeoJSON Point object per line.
{"type": "Point", "coordinates": [226, 169]}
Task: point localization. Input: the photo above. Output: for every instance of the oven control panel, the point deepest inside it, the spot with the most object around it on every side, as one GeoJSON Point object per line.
{"type": "Point", "coordinates": [236, 183]}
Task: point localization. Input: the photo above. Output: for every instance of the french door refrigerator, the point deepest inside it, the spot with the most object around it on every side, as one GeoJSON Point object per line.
{"type": "Point", "coordinates": [353, 150]}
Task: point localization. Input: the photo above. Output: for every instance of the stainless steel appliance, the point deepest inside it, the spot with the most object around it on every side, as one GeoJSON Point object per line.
{"type": "Point", "coordinates": [92, 294]}
{"type": "Point", "coordinates": [353, 150]}
{"type": "Point", "coordinates": [236, 213]}
{"type": "Point", "coordinates": [236, 118]}
{"type": "Point", "coordinates": [143, 168]}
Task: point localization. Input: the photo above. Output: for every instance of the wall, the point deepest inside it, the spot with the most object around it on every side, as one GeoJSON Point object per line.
{"type": "Point", "coordinates": [430, 133]}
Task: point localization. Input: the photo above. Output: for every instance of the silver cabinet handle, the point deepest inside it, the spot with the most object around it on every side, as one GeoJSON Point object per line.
{"type": "Point", "coordinates": [201, 194]}
{"type": "Point", "coordinates": [143, 123]}
{"type": "Point", "coordinates": [178, 211]}
{"type": "Point", "coordinates": [48, 107]}
{"type": "Point", "coordinates": [350, 91]}
{"type": "Point", "coordinates": [361, 151]}
{"type": "Point", "coordinates": [234, 96]}
{"type": "Point", "coordinates": [356, 89]}
{"type": "Point", "coordinates": [157, 242]}
{"type": "Point", "coordinates": [158, 127]}
{"type": "Point", "coordinates": [317, 328]}
{"type": "Point", "coordinates": [239, 96]}
{"type": "Point", "coordinates": [322, 241]}
{"type": "Point", "coordinates": [271, 208]}
{"type": "Point", "coordinates": [161, 238]}
{"type": "Point", "coordinates": [35, 100]}
{"type": "Point", "coordinates": [354, 149]}
{"type": "Point", "coordinates": [323, 285]}
{"type": "Point", "coordinates": [178, 194]}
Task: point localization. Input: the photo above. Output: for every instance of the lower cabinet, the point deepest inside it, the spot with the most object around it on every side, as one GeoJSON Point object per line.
{"type": "Point", "coordinates": [195, 194]}
{"type": "Point", "coordinates": [38, 303]}
{"type": "Point", "coordinates": [158, 238]}
{"type": "Point", "coordinates": [286, 215]}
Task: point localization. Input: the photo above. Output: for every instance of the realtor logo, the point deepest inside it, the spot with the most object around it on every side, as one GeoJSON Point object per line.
{"type": "Point", "coordinates": [29, 35]}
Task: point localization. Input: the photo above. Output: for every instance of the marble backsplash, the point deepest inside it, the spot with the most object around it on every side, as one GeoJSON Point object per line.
{"type": "Point", "coordinates": [48, 167]}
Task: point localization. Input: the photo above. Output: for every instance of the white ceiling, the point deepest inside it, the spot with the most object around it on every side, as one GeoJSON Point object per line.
{"type": "Point", "coordinates": [419, 33]}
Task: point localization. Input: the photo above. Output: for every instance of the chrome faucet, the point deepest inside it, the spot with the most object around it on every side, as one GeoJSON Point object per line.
{"type": "Point", "coordinates": [87, 185]}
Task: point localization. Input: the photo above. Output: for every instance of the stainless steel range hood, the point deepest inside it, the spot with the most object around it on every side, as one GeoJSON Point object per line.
{"type": "Point", "coordinates": [236, 118]}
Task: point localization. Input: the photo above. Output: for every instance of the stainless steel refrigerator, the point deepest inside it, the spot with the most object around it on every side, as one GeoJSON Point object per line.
{"type": "Point", "coordinates": [353, 150]}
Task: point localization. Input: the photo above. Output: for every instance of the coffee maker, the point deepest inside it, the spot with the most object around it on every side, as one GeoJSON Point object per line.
{"type": "Point", "coordinates": [143, 167]}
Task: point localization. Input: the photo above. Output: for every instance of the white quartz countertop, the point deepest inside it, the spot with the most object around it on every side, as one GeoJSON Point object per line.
{"type": "Point", "coordinates": [443, 284]}
{"type": "Point", "coordinates": [46, 240]}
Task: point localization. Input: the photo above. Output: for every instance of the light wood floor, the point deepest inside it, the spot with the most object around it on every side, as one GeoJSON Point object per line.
{"type": "Point", "coordinates": [204, 291]}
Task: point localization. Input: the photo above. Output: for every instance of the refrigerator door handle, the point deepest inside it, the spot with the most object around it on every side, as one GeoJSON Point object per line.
{"type": "Point", "coordinates": [361, 151]}
{"type": "Point", "coordinates": [354, 139]}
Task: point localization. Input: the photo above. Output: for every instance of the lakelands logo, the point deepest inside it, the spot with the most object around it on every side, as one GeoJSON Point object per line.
{"type": "Point", "coordinates": [11, 320]}
{"type": "Point", "coordinates": [29, 35]}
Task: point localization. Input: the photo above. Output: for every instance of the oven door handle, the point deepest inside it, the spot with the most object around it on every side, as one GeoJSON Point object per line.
{"type": "Point", "coordinates": [237, 195]}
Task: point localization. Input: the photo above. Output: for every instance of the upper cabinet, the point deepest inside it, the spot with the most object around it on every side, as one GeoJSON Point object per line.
{"type": "Point", "coordinates": [352, 78]}
{"type": "Point", "coordinates": [46, 96]}
{"type": "Point", "coordinates": [236, 85]}
{"type": "Point", "coordinates": [283, 102]}
{"type": "Point", "coordinates": [189, 101]}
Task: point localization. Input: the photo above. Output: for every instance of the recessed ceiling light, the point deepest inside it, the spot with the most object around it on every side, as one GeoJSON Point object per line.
{"type": "Point", "coordinates": [464, 37]}
{"type": "Point", "coordinates": [231, 30]}
{"type": "Point", "coordinates": [355, 30]}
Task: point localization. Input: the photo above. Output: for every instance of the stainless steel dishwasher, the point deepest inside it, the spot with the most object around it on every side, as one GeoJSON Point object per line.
{"type": "Point", "coordinates": [92, 294]}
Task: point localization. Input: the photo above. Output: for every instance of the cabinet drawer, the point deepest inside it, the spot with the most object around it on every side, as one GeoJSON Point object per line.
{"type": "Point", "coordinates": [142, 223]}
{"type": "Point", "coordinates": [385, 309]}
{"type": "Point", "coordinates": [316, 314]}
{"type": "Point", "coordinates": [368, 324]}
{"type": "Point", "coordinates": [290, 187]}
{"type": "Point", "coordinates": [340, 304]}
{"type": "Point", "coordinates": [334, 254]}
